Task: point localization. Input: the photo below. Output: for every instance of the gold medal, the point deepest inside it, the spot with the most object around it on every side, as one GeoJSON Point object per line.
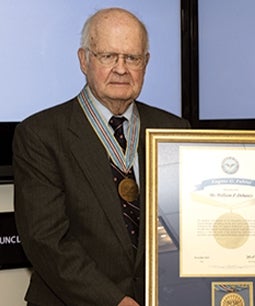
{"type": "Point", "coordinates": [232, 298]}
{"type": "Point", "coordinates": [128, 190]}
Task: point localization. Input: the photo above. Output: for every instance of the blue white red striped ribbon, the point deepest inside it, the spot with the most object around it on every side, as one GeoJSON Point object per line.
{"type": "Point", "coordinates": [123, 161]}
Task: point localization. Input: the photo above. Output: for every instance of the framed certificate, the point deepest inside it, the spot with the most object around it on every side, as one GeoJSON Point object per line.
{"type": "Point", "coordinates": [200, 213]}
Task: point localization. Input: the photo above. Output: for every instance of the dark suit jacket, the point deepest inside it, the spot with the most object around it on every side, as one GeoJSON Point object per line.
{"type": "Point", "coordinates": [67, 209]}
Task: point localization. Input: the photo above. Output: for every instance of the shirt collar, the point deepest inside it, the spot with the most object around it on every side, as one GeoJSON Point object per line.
{"type": "Point", "coordinates": [105, 112]}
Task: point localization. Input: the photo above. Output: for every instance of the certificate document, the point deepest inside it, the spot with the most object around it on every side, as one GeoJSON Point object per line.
{"type": "Point", "coordinates": [217, 210]}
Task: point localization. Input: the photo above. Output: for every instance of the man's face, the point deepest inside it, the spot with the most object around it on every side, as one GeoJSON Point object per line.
{"type": "Point", "coordinates": [117, 82]}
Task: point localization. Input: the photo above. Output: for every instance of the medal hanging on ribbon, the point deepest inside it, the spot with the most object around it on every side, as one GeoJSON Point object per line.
{"type": "Point", "coordinates": [128, 189]}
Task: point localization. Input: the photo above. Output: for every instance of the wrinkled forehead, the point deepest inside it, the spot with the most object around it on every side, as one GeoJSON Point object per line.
{"type": "Point", "coordinates": [116, 26]}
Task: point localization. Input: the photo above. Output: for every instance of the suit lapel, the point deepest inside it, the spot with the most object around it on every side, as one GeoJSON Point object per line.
{"type": "Point", "coordinates": [93, 160]}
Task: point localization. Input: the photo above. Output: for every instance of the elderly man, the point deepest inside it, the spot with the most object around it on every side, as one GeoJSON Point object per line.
{"type": "Point", "coordinates": [79, 171]}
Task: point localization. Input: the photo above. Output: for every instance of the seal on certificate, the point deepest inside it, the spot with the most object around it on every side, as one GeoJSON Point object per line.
{"type": "Point", "coordinates": [232, 299]}
{"type": "Point", "coordinates": [231, 230]}
{"type": "Point", "coordinates": [230, 165]}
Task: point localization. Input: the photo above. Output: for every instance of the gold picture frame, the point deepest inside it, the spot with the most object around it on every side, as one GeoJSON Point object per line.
{"type": "Point", "coordinates": [164, 240]}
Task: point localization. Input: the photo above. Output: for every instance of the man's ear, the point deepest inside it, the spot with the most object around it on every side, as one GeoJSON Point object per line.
{"type": "Point", "coordinates": [83, 60]}
{"type": "Point", "coordinates": [147, 58]}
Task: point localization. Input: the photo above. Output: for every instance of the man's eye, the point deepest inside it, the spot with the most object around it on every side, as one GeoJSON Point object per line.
{"type": "Point", "coordinates": [107, 56]}
{"type": "Point", "coordinates": [132, 58]}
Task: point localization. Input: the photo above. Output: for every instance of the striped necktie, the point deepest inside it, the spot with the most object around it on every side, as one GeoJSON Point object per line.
{"type": "Point", "coordinates": [126, 186]}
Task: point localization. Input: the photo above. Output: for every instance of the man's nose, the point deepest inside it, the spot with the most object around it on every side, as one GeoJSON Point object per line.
{"type": "Point", "coordinates": [120, 64]}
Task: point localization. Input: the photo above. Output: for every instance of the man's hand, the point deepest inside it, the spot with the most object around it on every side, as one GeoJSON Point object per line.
{"type": "Point", "coordinates": [127, 301]}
